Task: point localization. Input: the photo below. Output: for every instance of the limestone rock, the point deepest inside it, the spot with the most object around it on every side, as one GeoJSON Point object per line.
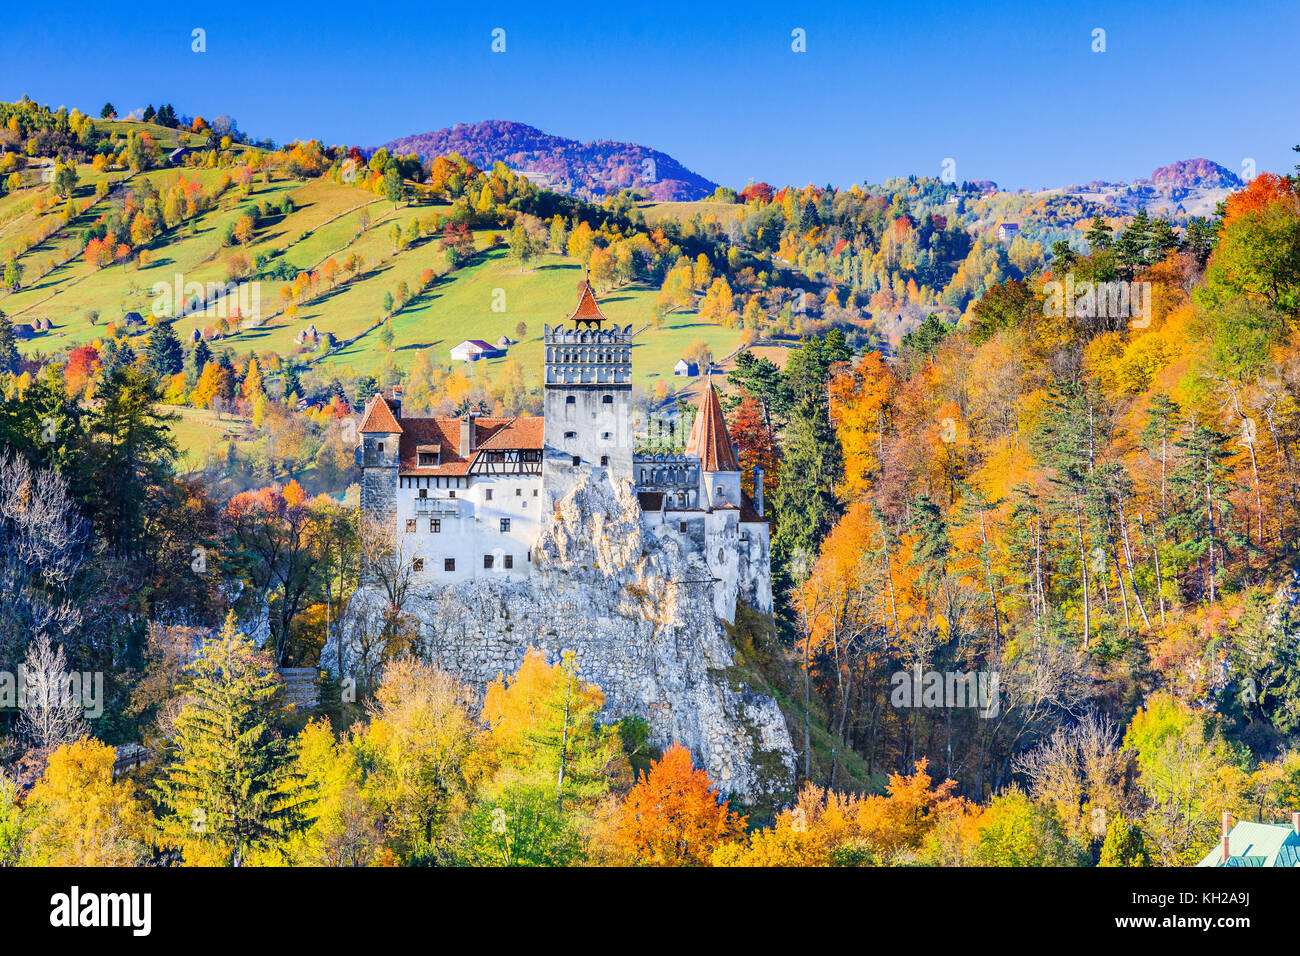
{"type": "Point", "coordinates": [639, 616]}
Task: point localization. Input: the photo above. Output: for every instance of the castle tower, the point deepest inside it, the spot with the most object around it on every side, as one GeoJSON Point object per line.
{"type": "Point", "coordinates": [719, 466]}
{"type": "Point", "coordinates": [381, 436]}
{"type": "Point", "coordinates": [588, 398]}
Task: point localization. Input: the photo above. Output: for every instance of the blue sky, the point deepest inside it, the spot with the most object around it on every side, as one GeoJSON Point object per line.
{"type": "Point", "coordinates": [1010, 91]}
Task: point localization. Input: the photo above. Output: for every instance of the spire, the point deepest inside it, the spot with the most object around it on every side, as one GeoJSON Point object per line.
{"type": "Point", "coordinates": [709, 439]}
{"type": "Point", "coordinates": [588, 312]}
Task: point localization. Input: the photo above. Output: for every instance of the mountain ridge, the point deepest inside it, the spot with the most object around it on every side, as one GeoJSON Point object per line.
{"type": "Point", "coordinates": [591, 170]}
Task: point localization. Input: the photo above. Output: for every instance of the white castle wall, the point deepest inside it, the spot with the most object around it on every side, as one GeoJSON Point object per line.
{"type": "Point", "coordinates": [468, 512]}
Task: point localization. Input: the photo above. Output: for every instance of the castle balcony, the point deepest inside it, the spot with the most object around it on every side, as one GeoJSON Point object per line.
{"type": "Point", "coordinates": [438, 507]}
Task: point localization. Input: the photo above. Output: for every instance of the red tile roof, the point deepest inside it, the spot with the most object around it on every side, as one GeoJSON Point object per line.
{"type": "Point", "coordinates": [379, 418]}
{"type": "Point", "coordinates": [587, 310]}
{"type": "Point", "coordinates": [709, 439]}
{"type": "Point", "coordinates": [518, 432]}
{"type": "Point", "coordinates": [522, 431]}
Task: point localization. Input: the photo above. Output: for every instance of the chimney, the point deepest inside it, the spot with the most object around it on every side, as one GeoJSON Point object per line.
{"type": "Point", "coordinates": [1227, 825]}
{"type": "Point", "coordinates": [467, 435]}
{"type": "Point", "coordinates": [1295, 822]}
{"type": "Point", "coordinates": [396, 401]}
{"type": "Point", "coordinates": [758, 489]}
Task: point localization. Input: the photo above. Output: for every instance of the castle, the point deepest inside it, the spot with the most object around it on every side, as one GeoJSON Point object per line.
{"type": "Point", "coordinates": [468, 495]}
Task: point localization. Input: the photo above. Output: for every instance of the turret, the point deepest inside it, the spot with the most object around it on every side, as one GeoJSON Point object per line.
{"type": "Point", "coordinates": [719, 465]}
{"type": "Point", "coordinates": [381, 436]}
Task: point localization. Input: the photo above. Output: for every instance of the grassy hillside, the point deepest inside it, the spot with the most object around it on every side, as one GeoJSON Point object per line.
{"type": "Point", "coordinates": [326, 222]}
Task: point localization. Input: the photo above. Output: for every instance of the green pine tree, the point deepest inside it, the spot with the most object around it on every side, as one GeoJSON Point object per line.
{"type": "Point", "coordinates": [231, 784]}
{"type": "Point", "coordinates": [8, 348]}
{"type": "Point", "coordinates": [1098, 234]}
{"type": "Point", "coordinates": [164, 354]}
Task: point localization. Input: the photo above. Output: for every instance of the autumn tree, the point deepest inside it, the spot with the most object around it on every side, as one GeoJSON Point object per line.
{"type": "Point", "coordinates": [673, 816]}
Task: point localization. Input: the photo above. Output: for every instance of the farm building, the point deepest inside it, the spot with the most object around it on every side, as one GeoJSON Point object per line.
{"type": "Point", "coordinates": [471, 350]}
{"type": "Point", "coordinates": [683, 367]}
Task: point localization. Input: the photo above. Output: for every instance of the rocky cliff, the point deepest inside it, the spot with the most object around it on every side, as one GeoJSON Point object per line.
{"type": "Point", "coordinates": [638, 614]}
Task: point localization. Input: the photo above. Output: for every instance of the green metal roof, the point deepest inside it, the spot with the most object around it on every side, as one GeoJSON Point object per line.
{"type": "Point", "coordinates": [1258, 844]}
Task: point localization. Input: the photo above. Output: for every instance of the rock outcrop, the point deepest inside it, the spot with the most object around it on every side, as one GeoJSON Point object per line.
{"type": "Point", "coordinates": [638, 615]}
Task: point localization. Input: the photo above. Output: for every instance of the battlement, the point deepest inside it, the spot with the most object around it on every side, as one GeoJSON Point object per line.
{"type": "Point", "coordinates": [588, 357]}
{"type": "Point", "coordinates": [562, 335]}
{"type": "Point", "coordinates": [661, 472]}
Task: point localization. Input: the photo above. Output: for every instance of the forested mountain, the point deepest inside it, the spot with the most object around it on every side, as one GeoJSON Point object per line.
{"type": "Point", "coordinates": [590, 170]}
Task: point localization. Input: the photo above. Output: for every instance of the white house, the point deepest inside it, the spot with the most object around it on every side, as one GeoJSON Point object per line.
{"type": "Point", "coordinates": [683, 367]}
{"type": "Point", "coordinates": [471, 350]}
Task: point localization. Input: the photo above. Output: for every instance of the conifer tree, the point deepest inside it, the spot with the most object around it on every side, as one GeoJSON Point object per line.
{"type": "Point", "coordinates": [165, 354]}
{"type": "Point", "coordinates": [8, 350]}
{"type": "Point", "coordinates": [231, 788]}
{"type": "Point", "coordinates": [1098, 234]}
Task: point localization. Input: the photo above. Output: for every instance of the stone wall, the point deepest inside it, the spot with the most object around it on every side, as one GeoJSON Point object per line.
{"type": "Point", "coordinates": [636, 607]}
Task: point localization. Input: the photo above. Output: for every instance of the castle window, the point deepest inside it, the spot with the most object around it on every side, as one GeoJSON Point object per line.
{"type": "Point", "coordinates": [427, 459]}
{"type": "Point", "coordinates": [607, 400]}
{"type": "Point", "coordinates": [449, 564]}
{"type": "Point", "coordinates": [452, 493]}
{"type": "Point", "coordinates": [410, 524]}
{"type": "Point", "coordinates": [505, 525]}
{"type": "Point", "coordinates": [487, 561]}
{"type": "Point", "coordinates": [569, 435]}
{"type": "Point", "coordinates": [417, 564]}
{"type": "Point", "coordinates": [534, 492]}
{"type": "Point", "coordinates": [487, 494]}
{"type": "Point", "coordinates": [435, 525]}
{"type": "Point", "coordinates": [721, 557]}
{"type": "Point", "coordinates": [604, 461]}
{"type": "Point", "coordinates": [577, 460]}
{"type": "Point", "coordinates": [519, 492]}
{"type": "Point", "coordinates": [607, 435]}
{"type": "Point", "coordinates": [509, 560]}
{"type": "Point", "coordinates": [381, 448]}
{"type": "Point", "coordinates": [424, 492]}
{"type": "Point", "coordinates": [570, 400]}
